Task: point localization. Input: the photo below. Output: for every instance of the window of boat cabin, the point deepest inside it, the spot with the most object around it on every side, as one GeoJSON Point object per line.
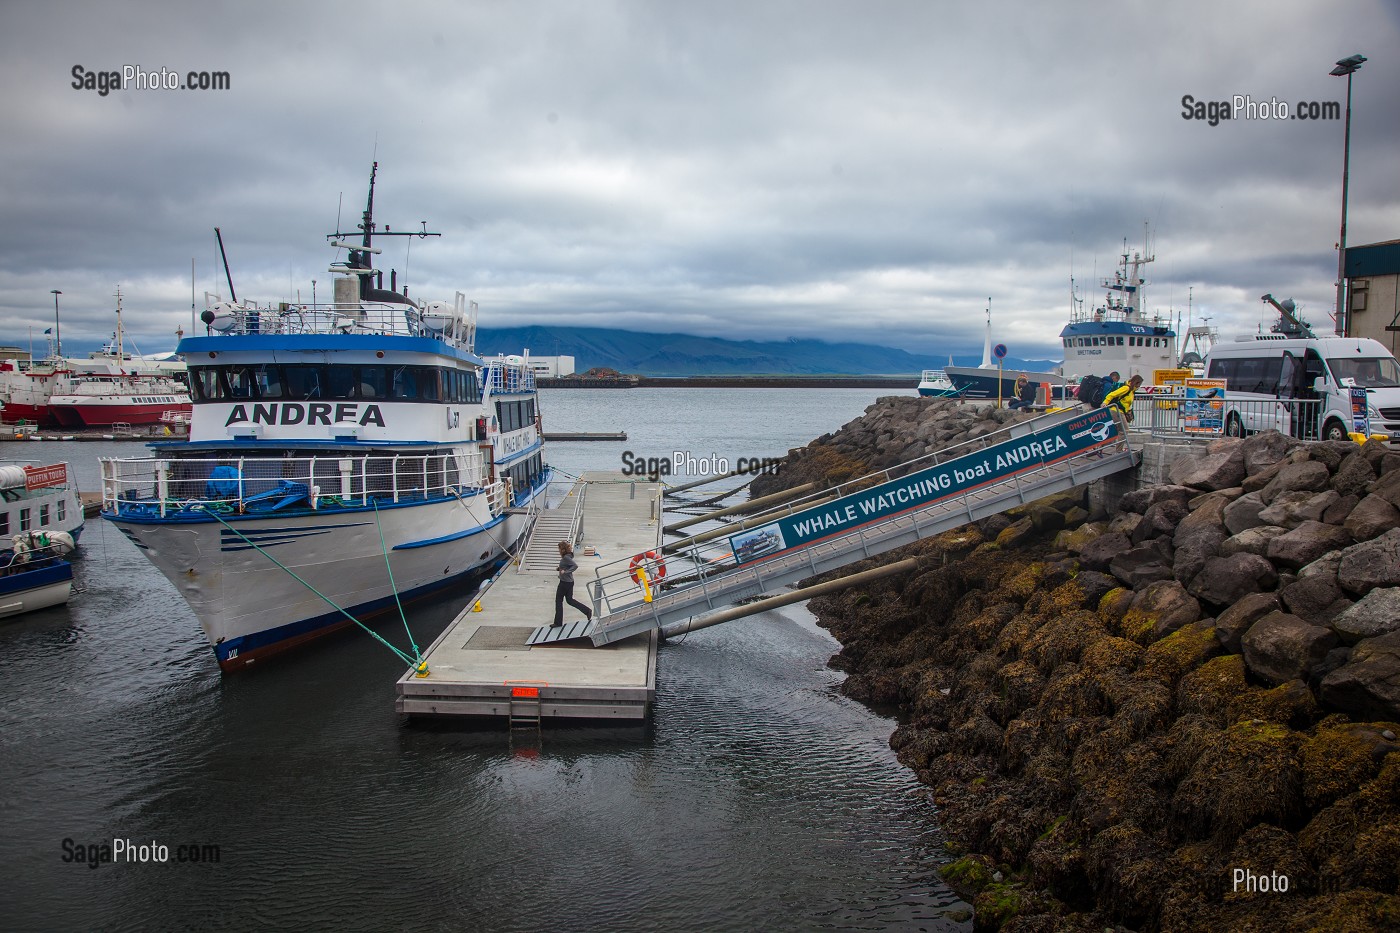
{"type": "Point", "coordinates": [303, 382]}
{"type": "Point", "coordinates": [4, 524]}
{"type": "Point", "coordinates": [43, 515]}
{"type": "Point", "coordinates": [374, 381]}
{"type": "Point", "coordinates": [204, 380]}
{"type": "Point", "coordinates": [24, 519]}
{"type": "Point", "coordinates": [62, 510]}
{"type": "Point", "coordinates": [238, 381]}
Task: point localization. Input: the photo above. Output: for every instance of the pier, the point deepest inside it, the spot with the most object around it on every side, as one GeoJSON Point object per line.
{"type": "Point", "coordinates": [481, 665]}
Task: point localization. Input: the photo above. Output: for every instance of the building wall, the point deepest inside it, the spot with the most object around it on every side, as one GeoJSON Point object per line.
{"type": "Point", "coordinates": [1373, 290]}
{"type": "Point", "coordinates": [552, 366]}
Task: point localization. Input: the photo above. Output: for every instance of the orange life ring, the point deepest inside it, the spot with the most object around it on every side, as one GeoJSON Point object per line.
{"type": "Point", "coordinates": [659, 573]}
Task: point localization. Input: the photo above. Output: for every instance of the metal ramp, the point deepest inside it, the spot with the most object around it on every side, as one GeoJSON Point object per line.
{"type": "Point", "coordinates": [926, 496]}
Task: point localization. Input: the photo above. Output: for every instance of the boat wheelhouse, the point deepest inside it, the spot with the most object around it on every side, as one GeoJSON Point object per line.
{"type": "Point", "coordinates": [1118, 336]}
{"type": "Point", "coordinates": [341, 457]}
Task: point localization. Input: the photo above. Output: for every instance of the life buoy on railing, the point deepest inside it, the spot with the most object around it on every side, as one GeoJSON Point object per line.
{"type": "Point", "coordinates": [657, 572]}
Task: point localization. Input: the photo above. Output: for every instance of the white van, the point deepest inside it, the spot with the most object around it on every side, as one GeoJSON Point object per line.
{"type": "Point", "coordinates": [1308, 382]}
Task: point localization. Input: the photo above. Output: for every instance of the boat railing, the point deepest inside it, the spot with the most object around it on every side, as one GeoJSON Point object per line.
{"type": "Point", "coordinates": [32, 558]}
{"type": "Point", "coordinates": [504, 377]}
{"type": "Point", "coordinates": [160, 487]}
{"type": "Point", "coordinates": [367, 318]}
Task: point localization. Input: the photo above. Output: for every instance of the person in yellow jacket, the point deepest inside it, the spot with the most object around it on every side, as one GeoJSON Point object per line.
{"type": "Point", "coordinates": [1122, 397]}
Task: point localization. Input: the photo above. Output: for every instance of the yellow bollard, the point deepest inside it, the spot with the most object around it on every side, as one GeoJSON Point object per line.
{"type": "Point", "coordinates": [646, 584]}
{"type": "Point", "coordinates": [422, 669]}
{"type": "Point", "coordinates": [477, 607]}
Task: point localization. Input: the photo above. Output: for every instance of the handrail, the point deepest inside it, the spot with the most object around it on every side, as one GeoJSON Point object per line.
{"type": "Point", "coordinates": [142, 486]}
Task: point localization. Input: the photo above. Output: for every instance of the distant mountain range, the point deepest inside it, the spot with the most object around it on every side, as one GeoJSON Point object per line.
{"type": "Point", "coordinates": [649, 354]}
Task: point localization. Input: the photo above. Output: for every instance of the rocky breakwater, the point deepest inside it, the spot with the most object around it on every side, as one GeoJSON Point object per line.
{"type": "Point", "coordinates": [1182, 716]}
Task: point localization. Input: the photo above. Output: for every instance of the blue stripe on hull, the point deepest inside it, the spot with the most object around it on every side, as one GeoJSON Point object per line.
{"type": "Point", "coordinates": [33, 579]}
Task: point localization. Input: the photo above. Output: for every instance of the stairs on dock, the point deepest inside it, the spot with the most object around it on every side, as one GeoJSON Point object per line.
{"type": "Point", "coordinates": [561, 523]}
{"type": "Point", "coordinates": [1070, 449]}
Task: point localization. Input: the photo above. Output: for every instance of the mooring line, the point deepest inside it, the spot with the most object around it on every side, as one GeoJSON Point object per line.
{"type": "Point", "coordinates": [416, 663]}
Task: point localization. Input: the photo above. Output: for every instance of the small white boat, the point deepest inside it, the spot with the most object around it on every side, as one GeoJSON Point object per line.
{"type": "Point", "coordinates": [33, 573]}
{"type": "Point", "coordinates": [935, 384]}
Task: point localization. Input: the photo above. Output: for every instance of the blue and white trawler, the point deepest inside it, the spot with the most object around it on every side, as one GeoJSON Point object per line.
{"type": "Point", "coordinates": [339, 453]}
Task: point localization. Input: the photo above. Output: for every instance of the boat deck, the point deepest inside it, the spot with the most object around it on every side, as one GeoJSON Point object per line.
{"type": "Point", "coordinates": [481, 666]}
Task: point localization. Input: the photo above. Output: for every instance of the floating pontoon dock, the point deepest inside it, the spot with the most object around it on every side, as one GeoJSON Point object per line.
{"type": "Point", "coordinates": [481, 665]}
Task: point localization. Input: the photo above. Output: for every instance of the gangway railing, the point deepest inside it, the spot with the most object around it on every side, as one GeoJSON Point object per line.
{"type": "Point", "coordinates": [868, 516]}
{"type": "Point", "coordinates": [552, 525]}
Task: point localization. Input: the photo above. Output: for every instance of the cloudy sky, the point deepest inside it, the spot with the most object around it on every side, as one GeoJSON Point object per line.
{"type": "Point", "coordinates": [869, 171]}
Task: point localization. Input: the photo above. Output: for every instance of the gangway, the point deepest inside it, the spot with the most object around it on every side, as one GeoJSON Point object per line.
{"type": "Point", "coordinates": [870, 515]}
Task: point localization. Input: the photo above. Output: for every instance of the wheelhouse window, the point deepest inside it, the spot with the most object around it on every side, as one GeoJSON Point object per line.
{"type": "Point", "coordinates": [304, 382]}
{"type": "Point", "coordinates": [319, 381]}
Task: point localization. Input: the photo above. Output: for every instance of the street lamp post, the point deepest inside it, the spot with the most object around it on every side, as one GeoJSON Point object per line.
{"type": "Point", "coordinates": [1348, 67]}
{"type": "Point", "coordinates": [57, 333]}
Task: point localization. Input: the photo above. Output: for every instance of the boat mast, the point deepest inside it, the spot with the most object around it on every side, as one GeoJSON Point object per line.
{"type": "Point", "coordinates": [987, 341]}
{"type": "Point", "coordinates": [121, 357]}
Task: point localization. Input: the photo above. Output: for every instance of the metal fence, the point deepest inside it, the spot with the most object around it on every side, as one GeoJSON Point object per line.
{"type": "Point", "coordinates": [1177, 415]}
{"type": "Point", "coordinates": [155, 486]}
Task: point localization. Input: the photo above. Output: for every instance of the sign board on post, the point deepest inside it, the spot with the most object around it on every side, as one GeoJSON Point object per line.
{"type": "Point", "coordinates": [1170, 380]}
{"type": "Point", "coordinates": [922, 488]}
{"type": "Point", "coordinates": [1203, 409]}
{"type": "Point", "coordinates": [1360, 411]}
{"type": "Point", "coordinates": [999, 351]}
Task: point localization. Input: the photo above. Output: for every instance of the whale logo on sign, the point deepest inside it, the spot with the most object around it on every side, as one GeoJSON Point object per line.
{"type": "Point", "coordinates": [1100, 431]}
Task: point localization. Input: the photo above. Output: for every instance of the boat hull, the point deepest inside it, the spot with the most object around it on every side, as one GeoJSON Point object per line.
{"type": "Point", "coordinates": [978, 383]}
{"type": "Point", "coordinates": [250, 608]}
{"type": "Point", "coordinates": [95, 414]}
{"type": "Point", "coordinates": [28, 590]}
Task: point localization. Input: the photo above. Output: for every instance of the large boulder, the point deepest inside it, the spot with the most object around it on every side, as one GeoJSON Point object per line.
{"type": "Point", "coordinates": [1388, 486]}
{"type": "Point", "coordinates": [1243, 513]}
{"type": "Point", "coordinates": [1220, 468]}
{"type": "Point", "coordinates": [1378, 613]}
{"type": "Point", "coordinates": [1292, 507]}
{"type": "Point", "coordinates": [1210, 516]}
{"type": "Point", "coordinates": [1370, 564]}
{"type": "Point", "coordinates": [1307, 543]}
{"type": "Point", "coordinates": [1141, 565]}
{"type": "Point", "coordinates": [1354, 475]}
{"type": "Point", "coordinates": [1190, 558]}
{"type": "Point", "coordinates": [1160, 519]}
{"type": "Point", "coordinates": [1265, 449]}
{"type": "Point", "coordinates": [1158, 610]}
{"type": "Point", "coordinates": [1252, 541]}
{"type": "Point", "coordinates": [1140, 500]}
{"type": "Point", "coordinates": [1097, 554]}
{"type": "Point", "coordinates": [1308, 476]}
{"type": "Point", "coordinates": [1231, 624]}
{"type": "Point", "coordinates": [1281, 647]}
{"type": "Point", "coordinates": [1317, 599]}
{"type": "Point", "coordinates": [1372, 517]}
{"type": "Point", "coordinates": [1224, 580]}
{"type": "Point", "coordinates": [1368, 685]}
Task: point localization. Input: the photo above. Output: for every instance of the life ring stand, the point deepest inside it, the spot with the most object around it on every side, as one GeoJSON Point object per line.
{"type": "Point", "coordinates": [658, 574]}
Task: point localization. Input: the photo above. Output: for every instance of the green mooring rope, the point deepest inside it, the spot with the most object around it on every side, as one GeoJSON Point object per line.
{"type": "Point", "coordinates": [392, 585]}
{"type": "Point", "coordinates": [412, 662]}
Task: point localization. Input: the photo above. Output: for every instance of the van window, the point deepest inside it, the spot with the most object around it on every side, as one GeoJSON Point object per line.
{"type": "Point", "coordinates": [1258, 375]}
{"type": "Point", "coordinates": [1373, 372]}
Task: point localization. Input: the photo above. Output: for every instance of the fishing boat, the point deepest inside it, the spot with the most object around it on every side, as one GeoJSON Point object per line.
{"type": "Point", "coordinates": [109, 387]}
{"type": "Point", "coordinates": [341, 457]}
{"type": "Point", "coordinates": [990, 381]}
{"type": "Point", "coordinates": [33, 573]}
{"type": "Point", "coordinates": [38, 497]}
{"type": "Point", "coordinates": [1118, 335]}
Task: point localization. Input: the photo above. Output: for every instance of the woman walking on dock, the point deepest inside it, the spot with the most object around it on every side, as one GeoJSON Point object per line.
{"type": "Point", "coordinates": [565, 592]}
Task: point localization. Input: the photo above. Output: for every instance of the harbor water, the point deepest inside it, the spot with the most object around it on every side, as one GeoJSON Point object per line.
{"type": "Point", "coordinates": [757, 798]}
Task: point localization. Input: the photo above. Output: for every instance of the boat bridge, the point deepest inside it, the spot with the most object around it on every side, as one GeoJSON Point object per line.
{"type": "Point", "coordinates": [829, 529]}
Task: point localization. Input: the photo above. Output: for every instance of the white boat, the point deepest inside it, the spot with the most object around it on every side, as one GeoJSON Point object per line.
{"type": "Point", "coordinates": [38, 497]}
{"type": "Point", "coordinates": [34, 575]}
{"type": "Point", "coordinates": [934, 383]}
{"type": "Point", "coordinates": [340, 456]}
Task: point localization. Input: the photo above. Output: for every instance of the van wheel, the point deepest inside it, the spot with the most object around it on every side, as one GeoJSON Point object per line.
{"type": "Point", "coordinates": [1335, 431]}
{"type": "Point", "coordinates": [1234, 427]}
